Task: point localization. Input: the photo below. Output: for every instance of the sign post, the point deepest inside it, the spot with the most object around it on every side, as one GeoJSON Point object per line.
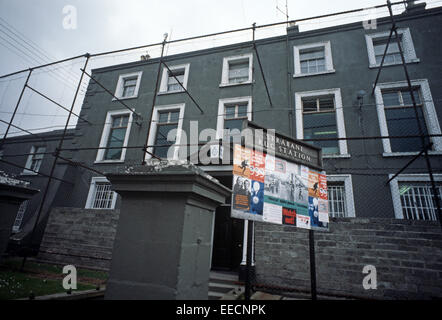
{"type": "Point", "coordinates": [279, 180]}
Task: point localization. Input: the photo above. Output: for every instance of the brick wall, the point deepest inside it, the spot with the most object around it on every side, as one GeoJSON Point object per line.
{"type": "Point", "coordinates": [407, 256]}
{"type": "Point", "coordinates": [82, 237]}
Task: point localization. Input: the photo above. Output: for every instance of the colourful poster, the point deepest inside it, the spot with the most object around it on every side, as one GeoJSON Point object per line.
{"type": "Point", "coordinates": [270, 189]}
{"type": "Point", "coordinates": [242, 158]}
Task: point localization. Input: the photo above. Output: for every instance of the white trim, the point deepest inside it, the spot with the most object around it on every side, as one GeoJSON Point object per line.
{"type": "Point", "coordinates": [340, 124]}
{"type": "Point", "coordinates": [105, 136]}
{"type": "Point", "coordinates": [90, 196]}
{"type": "Point", "coordinates": [26, 171]}
{"type": "Point", "coordinates": [153, 128]}
{"type": "Point", "coordinates": [225, 73]}
{"type": "Point", "coordinates": [221, 106]}
{"type": "Point", "coordinates": [394, 187]}
{"type": "Point", "coordinates": [120, 83]}
{"type": "Point", "coordinates": [348, 185]}
{"type": "Point", "coordinates": [429, 111]}
{"type": "Point", "coordinates": [165, 77]}
{"type": "Point", "coordinates": [327, 55]}
{"type": "Point", "coordinates": [407, 47]}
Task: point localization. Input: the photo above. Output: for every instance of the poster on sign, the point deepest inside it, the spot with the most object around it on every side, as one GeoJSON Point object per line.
{"type": "Point", "coordinates": [270, 189]}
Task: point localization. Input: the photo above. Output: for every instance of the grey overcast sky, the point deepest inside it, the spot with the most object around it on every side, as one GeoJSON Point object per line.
{"type": "Point", "coordinates": [32, 33]}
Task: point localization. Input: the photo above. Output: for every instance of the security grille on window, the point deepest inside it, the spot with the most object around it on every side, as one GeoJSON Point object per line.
{"type": "Point", "coordinates": [167, 121]}
{"type": "Point", "coordinates": [239, 70]}
{"type": "Point", "coordinates": [393, 54]}
{"type": "Point", "coordinates": [20, 214]}
{"type": "Point", "coordinates": [172, 83]}
{"type": "Point", "coordinates": [34, 160]}
{"type": "Point", "coordinates": [312, 60]}
{"type": "Point", "coordinates": [417, 200]}
{"type": "Point", "coordinates": [116, 138]}
{"type": "Point", "coordinates": [401, 119]}
{"type": "Point", "coordinates": [103, 197]}
{"type": "Point", "coordinates": [129, 87]}
{"type": "Point", "coordinates": [336, 200]}
{"type": "Point", "coordinates": [319, 120]}
{"type": "Point", "coordinates": [234, 115]}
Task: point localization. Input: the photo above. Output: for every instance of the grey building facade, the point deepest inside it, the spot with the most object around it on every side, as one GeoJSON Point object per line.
{"type": "Point", "coordinates": [320, 84]}
{"type": "Point", "coordinates": [315, 80]}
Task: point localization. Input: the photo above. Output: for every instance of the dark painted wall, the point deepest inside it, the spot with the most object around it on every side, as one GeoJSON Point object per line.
{"type": "Point", "coordinates": [350, 60]}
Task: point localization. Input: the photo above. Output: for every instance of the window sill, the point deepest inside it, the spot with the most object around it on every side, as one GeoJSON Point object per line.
{"type": "Point", "coordinates": [407, 154]}
{"type": "Point", "coordinates": [221, 85]}
{"type": "Point", "coordinates": [108, 161]}
{"type": "Point", "coordinates": [374, 66]}
{"type": "Point", "coordinates": [125, 98]}
{"type": "Point", "coordinates": [30, 173]}
{"type": "Point", "coordinates": [301, 75]}
{"type": "Point", "coordinates": [160, 93]}
{"type": "Point", "coordinates": [337, 156]}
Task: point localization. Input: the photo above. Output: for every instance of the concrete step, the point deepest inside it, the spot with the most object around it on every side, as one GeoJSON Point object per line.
{"type": "Point", "coordinates": [224, 285]}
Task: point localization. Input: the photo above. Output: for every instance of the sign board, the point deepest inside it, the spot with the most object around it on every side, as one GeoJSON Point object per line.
{"type": "Point", "coordinates": [279, 187]}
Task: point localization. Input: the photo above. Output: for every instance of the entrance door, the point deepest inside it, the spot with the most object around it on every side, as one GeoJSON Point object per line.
{"type": "Point", "coordinates": [227, 240]}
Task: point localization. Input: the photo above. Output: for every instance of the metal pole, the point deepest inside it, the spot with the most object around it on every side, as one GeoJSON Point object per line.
{"type": "Point", "coordinates": [154, 99]}
{"type": "Point", "coordinates": [312, 264]}
{"type": "Point", "coordinates": [410, 87]}
{"type": "Point", "coordinates": [16, 106]}
{"type": "Point", "coordinates": [54, 163]}
{"type": "Point", "coordinates": [248, 287]}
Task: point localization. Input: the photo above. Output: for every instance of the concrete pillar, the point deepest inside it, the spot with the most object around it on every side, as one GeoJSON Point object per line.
{"type": "Point", "coordinates": [12, 193]}
{"type": "Point", "coordinates": [164, 234]}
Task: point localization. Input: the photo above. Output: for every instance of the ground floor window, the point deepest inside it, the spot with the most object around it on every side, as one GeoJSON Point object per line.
{"type": "Point", "coordinates": [417, 200]}
{"type": "Point", "coordinates": [20, 214]}
{"type": "Point", "coordinates": [336, 200]}
{"type": "Point", "coordinates": [101, 195]}
{"type": "Point", "coordinates": [413, 196]}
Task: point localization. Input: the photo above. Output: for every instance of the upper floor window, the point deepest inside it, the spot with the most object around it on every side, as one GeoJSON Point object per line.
{"type": "Point", "coordinates": [115, 136]}
{"type": "Point", "coordinates": [169, 80]}
{"type": "Point", "coordinates": [377, 42]}
{"type": "Point", "coordinates": [165, 131]}
{"type": "Point", "coordinates": [312, 59]}
{"type": "Point", "coordinates": [237, 70]}
{"type": "Point", "coordinates": [167, 121]}
{"type": "Point", "coordinates": [128, 85]}
{"type": "Point", "coordinates": [397, 116]}
{"type": "Point", "coordinates": [231, 114]}
{"type": "Point", "coordinates": [100, 194]}
{"type": "Point", "coordinates": [319, 115]}
{"type": "Point", "coordinates": [35, 159]}
{"type": "Point", "coordinates": [413, 196]}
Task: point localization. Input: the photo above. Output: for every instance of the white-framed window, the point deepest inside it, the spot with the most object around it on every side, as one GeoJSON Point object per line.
{"type": "Point", "coordinates": [237, 70]}
{"type": "Point", "coordinates": [340, 196]}
{"type": "Point", "coordinates": [231, 114]}
{"type": "Point", "coordinates": [376, 43]}
{"type": "Point", "coordinates": [100, 194]}
{"type": "Point", "coordinates": [34, 160]}
{"type": "Point", "coordinates": [20, 214]}
{"type": "Point", "coordinates": [413, 196]}
{"type": "Point", "coordinates": [115, 136]}
{"type": "Point", "coordinates": [319, 114]}
{"type": "Point", "coordinates": [165, 119]}
{"type": "Point", "coordinates": [312, 59]}
{"type": "Point", "coordinates": [169, 81]}
{"type": "Point", "coordinates": [396, 116]}
{"type": "Point", "coordinates": [128, 85]}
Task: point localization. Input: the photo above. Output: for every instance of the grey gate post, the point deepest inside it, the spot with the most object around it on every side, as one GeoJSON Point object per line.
{"type": "Point", "coordinates": [163, 242]}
